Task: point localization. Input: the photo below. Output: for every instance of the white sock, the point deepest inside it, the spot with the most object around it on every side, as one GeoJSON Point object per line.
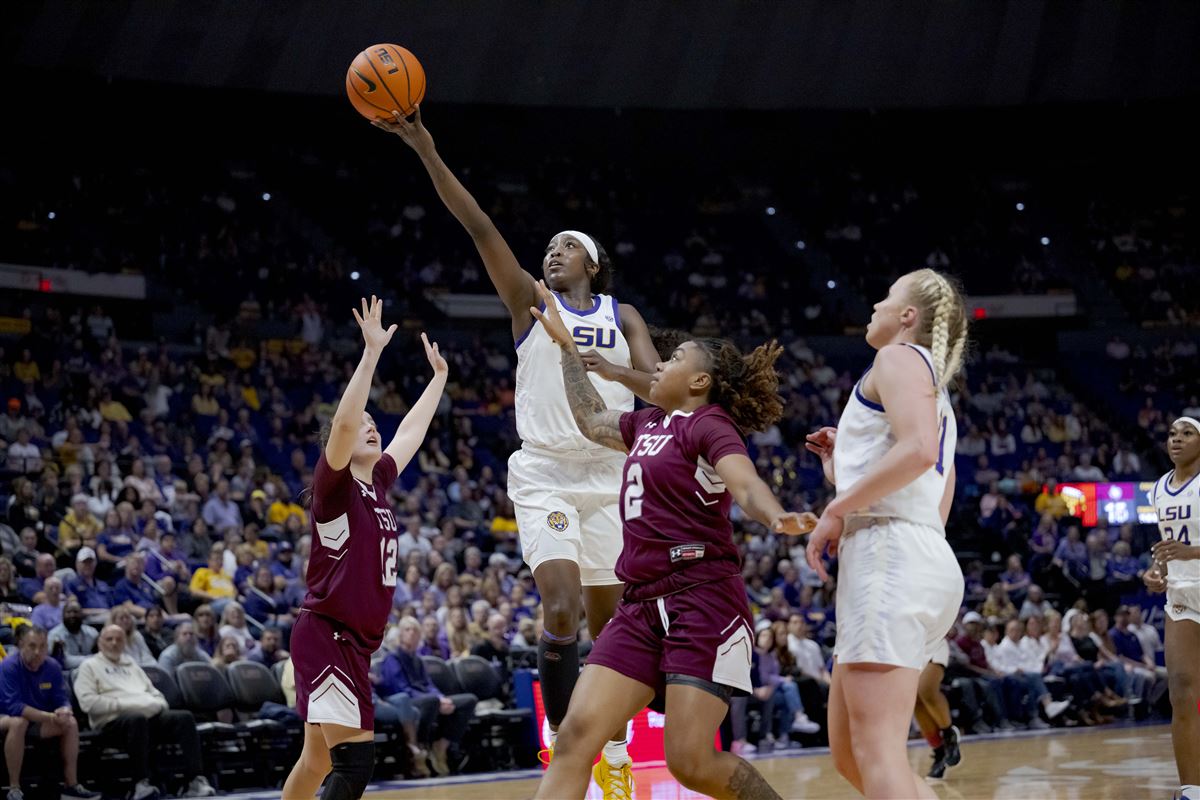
{"type": "Point", "coordinates": [1189, 791]}
{"type": "Point", "coordinates": [617, 753]}
{"type": "Point", "coordinates": [553, 737]}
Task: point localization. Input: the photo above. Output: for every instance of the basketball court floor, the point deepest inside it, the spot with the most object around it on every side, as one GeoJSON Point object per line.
{"type": "Point", "coordinates": [1105, 764]}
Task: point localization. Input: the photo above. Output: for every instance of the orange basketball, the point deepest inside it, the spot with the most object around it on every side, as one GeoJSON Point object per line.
{"type": "Point", "coordinates": [385, 77]}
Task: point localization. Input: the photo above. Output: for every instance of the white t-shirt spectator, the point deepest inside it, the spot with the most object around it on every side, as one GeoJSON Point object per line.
{"type": "Point", "coordinates": [1126, 463]}
{"type": "Point", "coordinates": [1003, 444]}
{"type": "Point", "coordinates": [1089, 473]}
{"type": "Point", "coordinates": [24, 458]}
{"type": "Point", "coordinates": [809, 658]}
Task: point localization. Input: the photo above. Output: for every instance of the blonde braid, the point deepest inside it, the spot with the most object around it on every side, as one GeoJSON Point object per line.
{"type": "Point", "coordinates": [940, 331]}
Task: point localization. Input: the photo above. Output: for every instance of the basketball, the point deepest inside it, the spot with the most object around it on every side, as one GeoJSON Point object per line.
{"type": "Point", "coordinates": [383, 78]}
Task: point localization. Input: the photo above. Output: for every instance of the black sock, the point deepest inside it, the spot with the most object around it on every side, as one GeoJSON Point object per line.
{"type": "Point", "coordinates": [558, 670]}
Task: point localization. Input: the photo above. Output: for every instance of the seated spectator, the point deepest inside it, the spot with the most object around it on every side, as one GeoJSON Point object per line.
{"type": "Point", "coordinates": [133, 590]}
{"type": "Point", "coordinates": [135, 644]}
{"type": "Point", "coordinates": [25, 557]}
{"type": "Point", "coordinates": [1035, 604]}
{"type": "Point", "coordinates": [262, 602]}
{"type": "Point", "coordinates": [495, 647]}
{"type": "Point", "coordinates": [48, 613]}
{"type": "Point", "coordinates": [24, 456]}
{"type": "Point", "coordinates": [132, 714]}
{"type": "Point", "coordinates": [285, 567]}
{"type": "Point", "coordinates": [72, 641]}
{"type": "Point", "coordinates": [33, 695]}
{"type": "Point", "coordinates": [168, 561]}
{"type": "Point", "coordinates": [154, 630]}
{"type": "Point", "coordinates": [810, 661]}
{"type": "Point", "coordinates": [220, 512]}
{"type": "Point", "coordinates": [32, 588]}
{"type": "Point", "coordinates": [210, 584]}
{"type": "Point", "coordinates": [78, 522]}
{"type": "Point", "coordinates": [1071, 556]}
{"type": "Point", "coordinates": [1022, 667]}
{"type": "Point", "coordinates": [1015, 580]}
{"type": "Point", "coordinates": [185, 649]}
{"type": "Point", "coordinates": [443, 719]}
{"type": "Point", "coordinates": [1050, 501]}
{"type": "Point", "coordinates": [433, 641]}
{"type": "Point", "coordinates": [985, 681]}
{"type": "Point", "coordinates": [779, 692]}
{"type": "Point", "coordinates": [997, 607]}
{"type": "Point", "coordinates": [526, 637]}
{"type": "Point", "coordinates": [9, 591]}
{"type": "Point", "coordinates": [269, 649]}
{"type": "Point", "coordinates": [119, 536]}
{"type": "Point", "coordinates": [1147, 634]}
{"type": "Point", "coordinates": [229, 650]}
{"type": "Point", "coordinates": [93, 594]}
{"type": "Point", "coordinates": [1124, 576]}
{"type": "Point", "coordinates": [233, 623]}
{"type": "Point", "coordinates": [207, 636]}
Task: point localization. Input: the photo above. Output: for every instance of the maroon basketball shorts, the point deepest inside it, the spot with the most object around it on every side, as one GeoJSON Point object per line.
{"type": "Point", "coordinates": [702, 633]}
{"type": "Point", "coordinates": [332, 684]}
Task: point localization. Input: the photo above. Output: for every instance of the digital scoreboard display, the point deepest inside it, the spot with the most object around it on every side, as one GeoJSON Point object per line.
{"type": "Point", "coordinates": [1110, 504]}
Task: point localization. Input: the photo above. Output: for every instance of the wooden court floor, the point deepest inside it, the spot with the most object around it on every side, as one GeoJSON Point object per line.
{"type": "Point", "coordinates": [1104, 764]}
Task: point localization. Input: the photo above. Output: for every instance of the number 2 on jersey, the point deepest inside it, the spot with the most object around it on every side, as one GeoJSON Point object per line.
{"type": "Point", "coordinates": [634, 491]}
{"type": "Point", "coordinates": [388, 557]}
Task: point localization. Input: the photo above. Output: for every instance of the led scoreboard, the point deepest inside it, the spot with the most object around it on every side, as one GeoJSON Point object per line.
{"type": "Point", "coordinates": [1110, 503]}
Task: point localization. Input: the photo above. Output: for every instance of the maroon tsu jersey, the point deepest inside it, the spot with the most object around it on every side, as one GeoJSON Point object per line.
{"type": "Point", "coordinates": [674, 506]}
{"type": "Point", "coordinates": [352, 567]}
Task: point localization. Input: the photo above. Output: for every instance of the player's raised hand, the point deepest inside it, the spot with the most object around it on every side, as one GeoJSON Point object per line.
{"type": "Point", "coordinates": [414, 133]}
{"type": "Point", "coordinates": [794, 523]}
{"type": "Point", "coordinates": [550, 318]}
{"type": "Point", "coordinates": [440, 367]}
{"type": "Point", "coordinates": [371, 322]}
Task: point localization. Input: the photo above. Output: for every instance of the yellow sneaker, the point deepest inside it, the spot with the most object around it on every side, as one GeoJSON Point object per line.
{"type": "Point", "coordinates": [544, 756]}
{"type": "Point", "coordinates": [615, 782]}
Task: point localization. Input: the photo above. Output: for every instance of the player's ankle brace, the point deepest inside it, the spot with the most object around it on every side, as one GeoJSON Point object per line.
{"type": "Point", "coordinates": [353, 763]}
{"type": "Point", "coordinates": [558, 670]}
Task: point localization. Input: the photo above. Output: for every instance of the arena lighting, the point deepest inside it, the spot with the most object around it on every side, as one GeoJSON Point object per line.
{"type": "Point", "coordinates": [831, 284]}
{"type": "Point", "coordinates": [770, 211]}
{"type": "Point", "coordinates": [980, 312]}
{"type": "Point", "coordinates": [800, 245]}
{"type": "Point", "coordinates": [354, 275]}
{"type": "Point", "coordinates": [51, 215]}
{"type": "Point", "coordinates": [266, 196]}
{"type": "Point", "coordinates": [1020, 206]}
{"type": "Point", "coordinates": [1045, 240]}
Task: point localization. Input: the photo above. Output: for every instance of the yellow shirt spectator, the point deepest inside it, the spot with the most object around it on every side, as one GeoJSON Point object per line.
{"type": "Point", "coordinates": [214, 583]}
{"type": "Point", "coordinates": [280, 510]}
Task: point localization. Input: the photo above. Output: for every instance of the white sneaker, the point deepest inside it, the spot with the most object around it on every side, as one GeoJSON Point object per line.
{"type": "Point", "coordinates": [146, 791]}
{"type": "Point", "coordinates": [199, 787]}
{"type": "Point", "coordinates": [1056, 707]}
{"type": "Point", "coordinates": [802, 724]}
{"type": "Point", "coordinates": [743, 749]}
{"type": "Point", "coordinates": [15, 794]}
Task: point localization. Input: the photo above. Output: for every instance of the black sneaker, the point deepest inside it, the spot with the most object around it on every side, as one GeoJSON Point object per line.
{"type": "Point", "coordinates": [938, 770]}
{"type": "Point", "coordinates": [950, 745]}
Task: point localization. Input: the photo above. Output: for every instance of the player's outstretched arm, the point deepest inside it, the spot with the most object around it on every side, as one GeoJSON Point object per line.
{"type": "Point", "coordinates": [643, 356]}
{"type": "Point", "coordinates": [514, 285]}
{"type": "Point", "coordinates": [411, 433]}
{"type": "Point", "coordinates": [593, 417]}
{"type": "Point", "coordinates": [348, 418]}
{"type": "Point", "coordinates": [756, 498]}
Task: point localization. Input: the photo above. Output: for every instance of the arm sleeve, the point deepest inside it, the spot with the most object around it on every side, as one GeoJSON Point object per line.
{"type": "Point", "coordinates": [88, 694]}
{"type": "Point", "coordinates": [716, 437]}
{"type": "Point", "coordinates": [331, 490]}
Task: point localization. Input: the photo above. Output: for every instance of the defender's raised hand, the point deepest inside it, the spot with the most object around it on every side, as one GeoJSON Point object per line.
{"type": "Point", "coordinates": [371, 322]}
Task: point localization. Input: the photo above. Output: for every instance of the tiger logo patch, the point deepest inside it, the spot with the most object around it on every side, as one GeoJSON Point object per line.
{"type": "Point", "coordinates": [557, 520]}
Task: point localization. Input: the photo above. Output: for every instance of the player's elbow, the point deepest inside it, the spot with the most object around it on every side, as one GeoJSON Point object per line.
{"type": "Point", "coordinates": [923, 451]}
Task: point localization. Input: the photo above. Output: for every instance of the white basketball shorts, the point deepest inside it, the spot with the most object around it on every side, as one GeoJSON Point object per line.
{"type": "Point", "coordinates": [569, 508]}
{"type": "Point", "coordinates": [899, 590]}
{"type": "Point", "coordinates": [1183, 602]}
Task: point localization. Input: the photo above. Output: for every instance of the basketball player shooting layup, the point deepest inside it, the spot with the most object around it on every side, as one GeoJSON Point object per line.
{"type": "Point", "coordinates": [563, 486]}
{"type": "Point", "coordinates": [351, 574]}
{"type": "Point", "coordinates": [682, 629]}
{"type": "Point", "coordinates": [1176, 571]}
{"type": "Point", "coordinates": [899, 583]}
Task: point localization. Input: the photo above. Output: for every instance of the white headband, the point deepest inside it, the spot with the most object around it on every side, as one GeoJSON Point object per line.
{"type": "Point", "coordinates": [588, 242]}
{"type": "Point", "coordinates": [1188, 421]}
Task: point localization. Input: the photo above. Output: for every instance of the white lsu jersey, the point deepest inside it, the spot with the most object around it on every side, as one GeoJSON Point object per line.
{"type": "Point", "coordinates": [544, 418]}
{"type": "Point", "coordinates": [864, 435]}
{"type": "Point", "coordinates": [1179, 518]}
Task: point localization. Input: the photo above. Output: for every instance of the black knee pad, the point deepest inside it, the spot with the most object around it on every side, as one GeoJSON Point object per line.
{"type": "Point", "coordinates": [353, 763]}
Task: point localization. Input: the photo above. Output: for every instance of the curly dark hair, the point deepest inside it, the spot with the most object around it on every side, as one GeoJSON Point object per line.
{"type": "Point", "coordinates": [667, 340]}
{"type": "Point", "coordinates": [746, 386]}
{"type": "Point", "coordinates": [602, 280]}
